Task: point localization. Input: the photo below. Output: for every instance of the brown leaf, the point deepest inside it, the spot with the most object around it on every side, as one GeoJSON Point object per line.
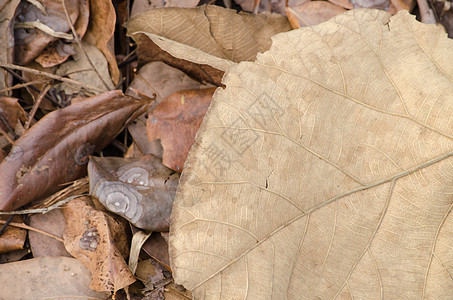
{"type": "Point", "coordinates": [29, 42]}
{"type": "Point", "coordinates": [140, 190]}
{"type": "Point", "coordinates": [47, 278]}
{"type": "Point", "coordinates": [52, 222]}
{"type": "Point", "coordinates": [100, 33]}
{"type": "Point", "coordinates": [207, 35]}
{"type": "Point", "coordinates": [176, 121]}
{"type": "Point", "coordinates": [10, 113]}
{"type": "Point", "coordinates": [55, 150]}
{"type": "Point", "coordinates": [7, 11]}
{"type": "Point", "coordinates": [90, 237]}
{"type": "Point", "coordinates": [162, 80]}
{"type": "Point", "coordinates": [324, 169]}
{"type": "Point", "coordinates": [13, 238]}
{"type": "Point", "coordinates": [57, 52]}
{"type": "Point", "coordinates": [156, 247]}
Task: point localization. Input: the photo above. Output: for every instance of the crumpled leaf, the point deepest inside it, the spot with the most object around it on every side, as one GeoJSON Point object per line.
{"type": "Point", "coordinates": [29, 42]}
{"type": "Point", "coordinates": [140, 190]}
{"type": "Point", "coordinates": [98, 241]}
{"type": "Point", "coordinates": [206, 35]}
{"type": "Point", "coordinates": [47, 278]}
{"type": "Point", "coordinates": [324, 169]}
{"type": "Point", "coordinates": [176, 121]}
{"type": "Point", "coordinates": [55, 150]}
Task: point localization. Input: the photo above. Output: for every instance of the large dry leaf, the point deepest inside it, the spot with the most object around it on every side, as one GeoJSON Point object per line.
{"type": "Point", "coordinates": [324, 169]}
{"type": "Point", "coordinates": [55, 150]}
{"type": "Point", "coordinates": [208, 35]}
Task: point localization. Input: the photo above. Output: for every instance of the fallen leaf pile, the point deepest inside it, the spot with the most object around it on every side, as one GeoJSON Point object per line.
{"type": "Point", "coordinates": [313, 142]}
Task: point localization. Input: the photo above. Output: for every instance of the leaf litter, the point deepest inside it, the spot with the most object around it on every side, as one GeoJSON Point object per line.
{"type": "Point", "coordinates": [71, 51]}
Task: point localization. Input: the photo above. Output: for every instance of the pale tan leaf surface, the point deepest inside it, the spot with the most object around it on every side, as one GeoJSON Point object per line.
{"type": "Point", "coordinates": [208, 35]}
{"type": "Point", "coordinates": [324, 169]}
{"type": "Point", "coordinates": [47, 277]}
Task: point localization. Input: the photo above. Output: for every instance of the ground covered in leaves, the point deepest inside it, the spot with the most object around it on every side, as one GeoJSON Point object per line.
{"type": "Point", "coordinates": [100, 104]}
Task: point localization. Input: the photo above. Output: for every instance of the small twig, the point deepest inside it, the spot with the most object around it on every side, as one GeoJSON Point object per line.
{"type": "Point", "coordinates": [77, 38]}
{"type": "Point", "coordinates": [426, 12]}
{"type": "Point", "coordinates": [25, 226]}
{"type": "Point", "coordinates": [41, 210]}
{"type": "Point", "coordinates": [36, 105]}
{"type": "Point", "coordinates": [53, 76]}
{"type": "Point", "coordinates": [21, 85]}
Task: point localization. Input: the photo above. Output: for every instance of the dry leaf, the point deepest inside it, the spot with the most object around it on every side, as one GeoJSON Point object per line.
{"type": "Point", "coordinates": [79, 69]}
{"type": "Point", "coordinates": [207, 35]}
{"type": "Point", "coordinates": [47, 278]}
{"type": "Point", "coordinates": [10, 113]}
{"type": "Point", "coordinates": [324, 169]}
{"type": "Point", "coordinates": [7, 10]}
{"type": "Point", "coordinates": [52, 222]}
{"type": "Point", "coordinates": [55, 150]}
{"type": "Point", "coordinates": [29, 42]}
{"type": "Point", "coordinates": [140, 190]}
{"type": "Point", "coordinates": [100, 33]}
{"type": "Point", "coordinates": [92, 237]}
{"type": "Point", "coordinates": [13, 238]}
{"type": "Point", "coordinates": [315, 12]}
{"type": "Point", "coordinates": [176, 121]}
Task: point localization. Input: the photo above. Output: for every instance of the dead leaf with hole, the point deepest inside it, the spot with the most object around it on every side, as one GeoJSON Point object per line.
{"type": "Point", "coordinates": [97, 240]}
{"type": "Point", "coordinates": [175, 121]}
{"type": "Point", "coordinates": [55, 150]}
{"type": "Point", "coordinates": [47, 278]}
{"type": "Point", "coordinates": [211, 37]}
{"type": "Point", "coordinates": [324, 169]}
{"type": "Point", "coordinates": [140, 190]}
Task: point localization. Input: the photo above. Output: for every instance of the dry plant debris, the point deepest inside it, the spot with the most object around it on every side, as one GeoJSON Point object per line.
{"type": "Point", "coordinates": [321, 169]}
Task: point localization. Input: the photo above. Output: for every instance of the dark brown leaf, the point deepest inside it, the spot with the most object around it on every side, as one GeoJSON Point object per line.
{"type": "Point", "coordinates": [140, 190]}
{"type": "Point", "coordinates": [176, 121]}
{"type": "Point", "coordinates": [90, 236]}
{"type": "Point", "coordinates": [56, 149]}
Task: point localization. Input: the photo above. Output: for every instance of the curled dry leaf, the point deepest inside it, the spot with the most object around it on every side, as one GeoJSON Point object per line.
{"type": "Point", "coordinates": [206, 35]}
{"type": "Point", "coordinates": [324, 169]}
{"type": "Point", "coordinates": [97, 240]}
{"type": "Point", "coordinates": [55, 150]}
{"type": "Point", "coordinates": [140, 190]}
{"type": "Point", "coordinates": [176, 121]}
